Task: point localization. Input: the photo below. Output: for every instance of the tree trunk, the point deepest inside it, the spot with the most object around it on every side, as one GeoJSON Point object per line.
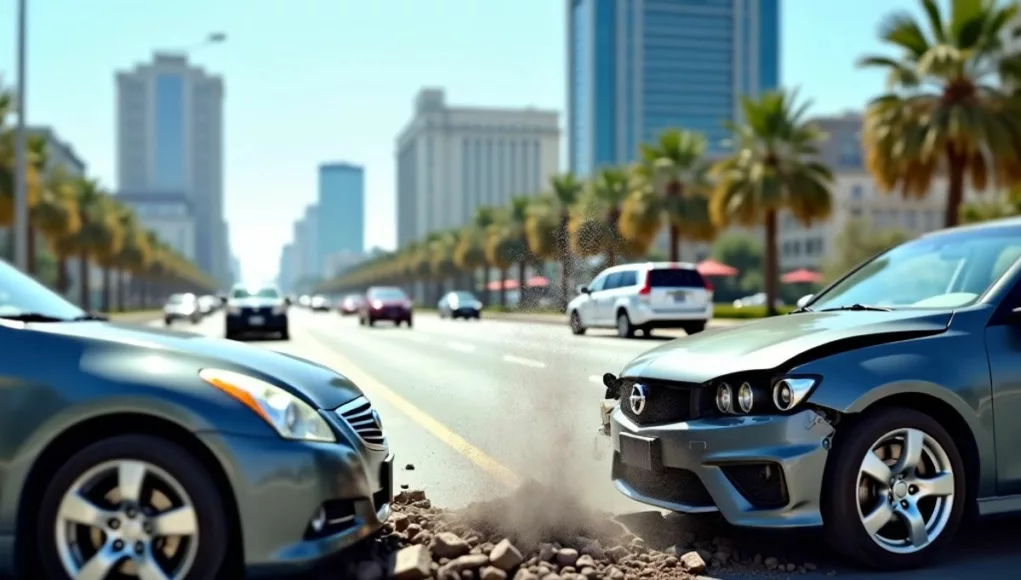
{"type": "Point", "coordinates": [31, 250]}
{"type": "Point", "coordinates": [564, 250]}
{"type": "Point", "coordinates": [675, 243]}
{"type": "Point", "coordinates": [956, 163]}
{"type": "Point", "coordinates": [486, 296]}
{"type": "Point", "coordinates": [62, 281]}
{"type": "Point", "coordinates": [771, 266]}
{"type": "Point", "coordinates": [522, 266]}
{"type": "Point", "coordinates": [84, 299]}
{"type": "Point", "coordinates": [503, 288]}
{"type": "Point", "coordinates": [120, 291]}
{"type": "Point", "coordinates": [106, 291]}
{"type": "Point", "coordinates": [611, 251]}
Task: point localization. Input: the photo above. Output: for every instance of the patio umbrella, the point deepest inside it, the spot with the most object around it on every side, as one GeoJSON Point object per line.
{"type": "Point", "coordinates": [714, 268]}
{"type": "Point", "coordinates": [801, 276]}
{"type": "Point", "coordinates": [537, 282]}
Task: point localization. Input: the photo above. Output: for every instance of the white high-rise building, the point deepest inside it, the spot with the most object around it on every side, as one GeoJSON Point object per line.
{"type": "Point", "coordinates": [170, 142]}
{"type": "Point", "coordinates": [452, 160]}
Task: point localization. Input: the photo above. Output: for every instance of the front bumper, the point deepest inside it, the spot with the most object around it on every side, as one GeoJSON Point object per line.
{"type": "Point", "coordinates": [758, 471]}
{"type": "Point", "coordinates": [245, 321]}
{"type": "Point", "coordinates": [279, 486]}
{"type": "Point", "coordinates": [395, 314]}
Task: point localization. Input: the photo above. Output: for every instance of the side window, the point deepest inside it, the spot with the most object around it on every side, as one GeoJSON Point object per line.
{"type": "Point", "coordinates": [613, 281]}
{"type": "Point", "coordinates": [628, 278]}
{"type": "Point", "coordinates": [597, 283]}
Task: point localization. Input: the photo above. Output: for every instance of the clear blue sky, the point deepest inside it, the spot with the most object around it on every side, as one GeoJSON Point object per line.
{"type": "Point", "coordinates": [326, 80]}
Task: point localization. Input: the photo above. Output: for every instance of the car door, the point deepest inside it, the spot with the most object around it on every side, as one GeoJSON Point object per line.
{"type": "Point", "coordinates": [606, 298]}
{"type": "Point", "coordinates": [587, 309]}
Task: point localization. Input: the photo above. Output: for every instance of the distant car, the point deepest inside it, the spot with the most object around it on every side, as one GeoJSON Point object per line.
{"type": "Point", "coordinates": [459, 304]}
{"type": "Point", "coordinates": [181, 307]}
{"type": "Point", "coordinates": [320, 303]}
{"type": "Point", "coordinates": [136, 452]}
{"type": "Point", "coordinates": [259, 310]}
{"type": "Point", "coordinates": [304, 301]}
{"type": "Point", "coordinates": [207, 304]}
{"type": "Point", "coordinates": [351, 304]}
{"type": "Point", "coordinates": [385, 303]}
{"type": "Point", "coordinates": [643, 297]}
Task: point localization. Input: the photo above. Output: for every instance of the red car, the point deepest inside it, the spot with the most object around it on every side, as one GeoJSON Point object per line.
{"type": "Point", "coordinates": [351, 304]}
{"type": "Point", "coordinates": [385, 303]}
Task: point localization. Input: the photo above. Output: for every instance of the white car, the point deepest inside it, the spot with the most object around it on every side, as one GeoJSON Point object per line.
{"type": "Point", "coordinates": [643, 297]}
{"type": "Point", "coordinates": [181, 307]}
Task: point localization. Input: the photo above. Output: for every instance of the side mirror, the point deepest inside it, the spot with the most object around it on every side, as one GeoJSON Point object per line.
{"type": "Point", "coordinates": [584, 290]}
{"type": "Point", "coordinates": [287, 300]}
{"type": "Point", "coordinates": [805, 300]}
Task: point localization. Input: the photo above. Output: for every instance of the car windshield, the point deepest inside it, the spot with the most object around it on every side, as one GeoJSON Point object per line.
{"type": "Point", "coordinates": [463, 296]}
{"type": "Point", "coordinates": [180, 298]}
{"type": "Point", "coordinates": [259, 293]}
{"type": "Point", "coordinates": [20, 294]}
{"type": "Point", "coordinates": [945, 271]}
{"type": "Point", "coordinates": [388, 294]}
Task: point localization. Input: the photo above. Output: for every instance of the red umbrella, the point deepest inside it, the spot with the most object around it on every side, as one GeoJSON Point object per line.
{"type": "Point", "coordinates": [537, 282]}
{"type": "Point", "coordinates": [801, 276]}
{"type": "Point", "coordinates": [507, 285]}
{"type": "Point", "coordinates": [714, 268]}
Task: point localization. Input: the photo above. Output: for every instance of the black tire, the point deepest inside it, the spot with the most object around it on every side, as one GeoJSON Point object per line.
{"type": "Point", "coordinates": [167, 322]}
{"type": "Point", "coordinates": [576, 327]}
{"type": "Point", "coordinates": [371, 322]}
{"type": "Point", "coordinates": [624, 327]}
{"type": "Point", "coordinates": [694, 328]}
{"type": "Point", "coordinates": [408, 322]}
{"type": "Point", "coordinates": [361, 321]}
{"type": "Point", "coordinates": [842, 524]}
{"type": "Point", "coordinates": [285, 334]}
{"type": "Point", "coordinates": [177, 462]}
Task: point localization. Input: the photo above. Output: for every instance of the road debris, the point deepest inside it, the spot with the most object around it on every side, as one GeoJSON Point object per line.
{"type": "Point", "coordinates": [538, 534]}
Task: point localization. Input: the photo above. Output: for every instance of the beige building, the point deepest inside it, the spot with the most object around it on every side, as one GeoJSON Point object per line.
{"type": "Point", "coordinates": [454, 159]}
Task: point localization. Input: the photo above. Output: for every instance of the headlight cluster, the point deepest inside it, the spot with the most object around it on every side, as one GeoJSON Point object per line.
{"type": "Point", "coordinates": [787, 393]}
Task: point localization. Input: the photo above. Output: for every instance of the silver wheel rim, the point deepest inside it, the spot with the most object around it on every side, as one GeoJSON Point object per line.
{"type": "Point", "coordinates": [622, 325]}
{"type": "Point", "coordinates": [905, 491]}
{"type": "Point", "coordinates": [127, 517]}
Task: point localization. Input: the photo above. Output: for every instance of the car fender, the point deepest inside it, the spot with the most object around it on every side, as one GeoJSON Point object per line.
{"type": "Point", "coordinates": [951, 368]}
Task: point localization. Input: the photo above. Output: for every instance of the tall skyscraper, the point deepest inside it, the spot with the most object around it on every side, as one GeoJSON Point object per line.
{"type": "Point", "coordinates": [452, 160]}
{"type": "Point", "coordinates": [341, 212]}
{"type": "Point", "coordinates": [638, 67]}
{"type": "Point", "coordinates": [170, 142]}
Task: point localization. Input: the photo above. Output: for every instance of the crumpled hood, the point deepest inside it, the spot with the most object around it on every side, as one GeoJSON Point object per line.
{"type": "Point", "coordinates": [769, 343]}
{"type": "Point", "coordinates": [319, 385]}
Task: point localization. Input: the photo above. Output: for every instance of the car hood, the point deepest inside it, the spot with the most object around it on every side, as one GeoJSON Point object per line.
{"type": "Point", "coordinates": [771, 342]}
{"type": "Point", "coordinates": [255, 302]}
{"type": "Point", "coordinates": [315, 383]}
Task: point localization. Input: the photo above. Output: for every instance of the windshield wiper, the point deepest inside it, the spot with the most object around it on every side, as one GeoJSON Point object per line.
{"type": "Point", "coordinates": [800, 310]}
{"type": "Point", "coordinates": [40, 317]}
{"type": "Point", "coordinates": [859, 307]}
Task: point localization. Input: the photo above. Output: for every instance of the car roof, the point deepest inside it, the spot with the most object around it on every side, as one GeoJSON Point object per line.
{"type": "Point", "coordinates": [1004, 224]}
{"type": "Point", "coordinates": [652, 266]}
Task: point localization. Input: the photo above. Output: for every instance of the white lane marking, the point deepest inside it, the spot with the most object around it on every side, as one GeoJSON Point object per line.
{"type": "Point", "coordinates": [460, 346]}
{"type": "Point", "coordinates": [524, 361]}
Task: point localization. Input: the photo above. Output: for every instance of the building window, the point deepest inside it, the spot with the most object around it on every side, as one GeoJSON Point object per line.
{"type": "Point", "coordinates": [169, 129]}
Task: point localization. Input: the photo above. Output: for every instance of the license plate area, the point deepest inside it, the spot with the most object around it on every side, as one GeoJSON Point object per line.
{"type": "Point", "coordinates": [256, 320]}
{"type": "Point", "coordinates": [680, 297]}
{"type": "Point", "coordinates": [641, 452]}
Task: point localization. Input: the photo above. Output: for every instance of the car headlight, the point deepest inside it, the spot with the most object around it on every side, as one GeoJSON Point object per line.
{"type": "Point", "coordinates": [478, 305]}
{"type": "Point", "coordinates": [789, 392]}
{"type": "Point", "coordinates": [233, 309]}
{"type": "Point", "coordinates": [724, 398]}
{"type": "Point", "coordinates": [745, 398]}
{"type": "Point", "coordinates": [291, 417]}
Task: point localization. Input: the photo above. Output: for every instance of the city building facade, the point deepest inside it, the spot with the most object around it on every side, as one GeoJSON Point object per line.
{"type": "Point", "coordinates": [639, 67]}
{"type": "Point", "coordinates": [341, 212]}
{"type": "Point", "coordinates": [170, 141]}
{"type": "Point", "coordinates": [169, 215]}
{"type": "Point", "coordinates": [452, 160]}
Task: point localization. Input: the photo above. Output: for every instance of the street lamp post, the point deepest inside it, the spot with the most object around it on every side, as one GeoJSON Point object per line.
{"type": "Point", "coordinates": [20, 157]}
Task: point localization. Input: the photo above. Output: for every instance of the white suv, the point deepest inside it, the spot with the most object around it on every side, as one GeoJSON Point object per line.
{"type": "Point", "coordinates": [643, 297]}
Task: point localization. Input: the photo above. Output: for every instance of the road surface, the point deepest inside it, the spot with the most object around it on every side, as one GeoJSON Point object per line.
{"type": "Point", "coordinates": [474, 407]}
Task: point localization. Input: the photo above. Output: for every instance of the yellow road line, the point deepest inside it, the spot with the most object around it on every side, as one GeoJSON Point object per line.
{"type": "Point", "coordinates": [366, 382]}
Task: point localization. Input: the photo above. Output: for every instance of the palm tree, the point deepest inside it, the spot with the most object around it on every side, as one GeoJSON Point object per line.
{"type": "Point", "coordinates": [503, 249]}
{"type": "Point", "coordinates": [56, 216]}
{"type": "Point", "coordinates": [566, 189]}
{"type": "Point", "coordinates": [676, 170]}
{"type": "Point", "coordinates": [595, 220]}
{"type": "Point", "coordinates": [517, 216]}
{"type": "Point", "coordinates": [772, 169]}
{"type": "Point", "coordinates": [946, 110]}
{"type": "Point", "coordinates": [135, 253]}
{"type": "Point", "coordinates": [98, 237]}
{"type": "Point", "coordinates": [107, 247]}
{"type": "Point", "coordinates": [484, 218]}
{"type": "Point", "coordinates": [542, 225]}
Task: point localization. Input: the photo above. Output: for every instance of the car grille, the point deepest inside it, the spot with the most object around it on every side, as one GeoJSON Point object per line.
{"type": "Point", "coordinates": [665, 402]}
{"type": "Point", "coordinates": [264, 311]}
{"type": "Point", "coordinates": [671, 484]}
{"type": "Point", "coordinates": [361, 417]}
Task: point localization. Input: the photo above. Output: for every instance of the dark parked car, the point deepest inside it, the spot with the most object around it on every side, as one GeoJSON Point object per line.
{"type": "Point", "coordinates": [181, 307]}
{"type": "Point", "coordinates": [133, 451]}
{"type": "Point", "coordinates": [385, 303]}
{"type": "Point", "coordinates": [259, 310]}
{"type": "Point", "coordinates": [459, 304]}
{"type": "Point", "coordinates": [882, 410]}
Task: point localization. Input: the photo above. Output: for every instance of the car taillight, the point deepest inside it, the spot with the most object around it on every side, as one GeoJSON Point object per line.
{"type": "Point", "coordinates": [708, 285]}
{"type": "Point", "coordinates": [647, 288]}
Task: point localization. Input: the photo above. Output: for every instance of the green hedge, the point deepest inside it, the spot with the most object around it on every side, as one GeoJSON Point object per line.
{"type": "Point", "coordinates": [729, 311]}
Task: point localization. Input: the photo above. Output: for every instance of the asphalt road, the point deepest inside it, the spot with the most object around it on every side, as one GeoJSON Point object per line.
{"type": "Point", "coordinates": [473, 408]}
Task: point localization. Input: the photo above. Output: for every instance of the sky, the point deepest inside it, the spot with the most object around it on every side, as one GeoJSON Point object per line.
{"type": "Point", "coordinates": [311, 81]}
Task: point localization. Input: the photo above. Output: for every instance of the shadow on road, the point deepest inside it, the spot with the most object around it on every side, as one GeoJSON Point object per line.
{"type": "Point", "coordinates": [986, 549]}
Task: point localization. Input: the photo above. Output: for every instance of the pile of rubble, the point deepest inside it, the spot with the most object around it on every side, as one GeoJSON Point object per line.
{"type": "Point", "coordinates": [535, 534]}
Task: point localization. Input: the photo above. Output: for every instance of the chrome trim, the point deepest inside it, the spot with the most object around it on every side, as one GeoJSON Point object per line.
{"type": "Point", "coordinates": [365, 419]}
